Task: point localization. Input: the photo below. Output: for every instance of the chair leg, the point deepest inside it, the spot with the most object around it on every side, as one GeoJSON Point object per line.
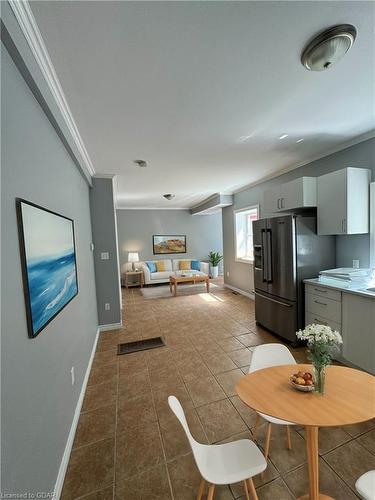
{"type": "Point", "coordinates": [246, 490]}
{"type": "Point", "coordinates": [268, 439]}
{"type": "Point", "coordinates": [211, 490]}
{"type": "Point", "coordinates": [251, 486]}
{"type": "Point", "coordinates": [257, 422]}
{"type": "Point", "coordinates": [201, 489]}
{"type": "Point", "coordinates": [288, 439]}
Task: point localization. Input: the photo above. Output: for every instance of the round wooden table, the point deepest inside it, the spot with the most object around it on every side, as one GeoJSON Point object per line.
{"type": "Point", "coordinates": [349, 399]}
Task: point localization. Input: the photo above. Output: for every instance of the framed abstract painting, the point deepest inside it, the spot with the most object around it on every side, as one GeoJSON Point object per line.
{"type": "Point", "coordinates": [48, 259]}
{"type": "Point", "coordinates": [168, 244]}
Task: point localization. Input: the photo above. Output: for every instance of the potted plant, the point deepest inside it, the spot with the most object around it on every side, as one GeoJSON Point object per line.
{"type": "Point", "coordinates": [322, 342]}
{"type": "Point", "coordinates": [214, 258]}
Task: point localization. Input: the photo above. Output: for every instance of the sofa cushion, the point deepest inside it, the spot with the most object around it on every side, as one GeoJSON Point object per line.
{"type": "Point", "coordinates": [167, 264]}
{"type": "Point", "coordinates": [151, 266]}
{"type": "Point", "coordinates": [160, 266]}
{"type": "Point", "coordinates": [195, 265]}
{"type": "Point", "coordinates": [164, 275]}
{"type": "Point", "coordinates": [184, 265]}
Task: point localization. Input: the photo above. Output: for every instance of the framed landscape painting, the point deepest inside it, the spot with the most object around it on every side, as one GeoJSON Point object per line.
{"type": "Point", "coordinates": [168, 244]}
{"type": "Point", "coordinates": [48, 259]}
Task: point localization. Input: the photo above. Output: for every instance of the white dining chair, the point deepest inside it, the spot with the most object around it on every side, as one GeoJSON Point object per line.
{"type": "Point", "coordinates": [221, 464]}
{"type": "Point", "coordinates": [265, 356]}
{"type": "Point", "coordinates": [365, 485]}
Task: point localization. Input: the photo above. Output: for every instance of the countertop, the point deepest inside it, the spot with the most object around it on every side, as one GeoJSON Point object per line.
{"type": "Point", "coordinates": [356, 288]}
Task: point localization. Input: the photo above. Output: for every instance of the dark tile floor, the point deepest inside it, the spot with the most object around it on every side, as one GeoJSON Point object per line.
{"type": "Point", "coordinates": [129, 446]}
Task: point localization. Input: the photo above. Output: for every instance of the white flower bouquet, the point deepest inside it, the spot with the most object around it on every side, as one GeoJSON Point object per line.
{"type": "Point", "coordinates": [322, 342]}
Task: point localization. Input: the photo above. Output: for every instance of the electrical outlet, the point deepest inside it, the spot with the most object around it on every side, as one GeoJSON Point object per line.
{"type": "Point", "coordinates": [104, 255]}
{"type": "Point", "coordinates": [72, 375]}
{"type": "Point", "coordinates": [107, 306]}
{"type": "Point", "coordinates": [355, 264]}
{"type": "Point", "coordinates": [227, 274]}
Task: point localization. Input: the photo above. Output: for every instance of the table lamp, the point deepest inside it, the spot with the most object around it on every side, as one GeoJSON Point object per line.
{"type": "Point", "coordinates": [133, 257]}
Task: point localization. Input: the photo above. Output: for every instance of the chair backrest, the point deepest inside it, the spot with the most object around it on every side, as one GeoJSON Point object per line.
{"type": "Point", "coordinates": [177, 409]}
{"type": "Point", "coordinates": [267, 355]}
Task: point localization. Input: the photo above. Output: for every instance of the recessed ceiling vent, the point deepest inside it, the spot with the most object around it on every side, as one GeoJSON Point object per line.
{"type": "Point", "coordinates": [141, 163]}
{"type": "Point", "coordinates": [328, 47]}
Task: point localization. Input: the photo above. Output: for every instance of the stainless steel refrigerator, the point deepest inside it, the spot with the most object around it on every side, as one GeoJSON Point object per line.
{"type": "Point", "coordinates": [287, 250]}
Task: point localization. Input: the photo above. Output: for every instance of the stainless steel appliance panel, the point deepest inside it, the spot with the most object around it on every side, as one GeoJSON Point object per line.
{"type": "Point", "coordinates": [260, 254]}
{"type": "Point", "coordinates": [277, 315]}
{"type": "Point", "coordinates": [281, 246]}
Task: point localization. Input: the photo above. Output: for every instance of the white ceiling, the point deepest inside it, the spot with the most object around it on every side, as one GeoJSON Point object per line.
{"type": "Point", "coordinates": [179, 83]}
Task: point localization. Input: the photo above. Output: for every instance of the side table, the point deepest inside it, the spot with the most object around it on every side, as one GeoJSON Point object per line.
{"type": "Point", "coordinates": [139, 278]}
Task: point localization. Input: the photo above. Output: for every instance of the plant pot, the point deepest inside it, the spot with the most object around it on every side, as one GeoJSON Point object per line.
{"type": "Point", "coordinates": [214, 271]}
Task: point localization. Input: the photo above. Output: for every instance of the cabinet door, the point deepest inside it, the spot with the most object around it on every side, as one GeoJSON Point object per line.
{"type": "Point", "coordinates": [271, 200]}
{"type": "Point", "coordinates": [332, 203]}
{"type": "Point", "coordinates": [298, 193]}
{"type": "Point", "coordinates": [358, 330]}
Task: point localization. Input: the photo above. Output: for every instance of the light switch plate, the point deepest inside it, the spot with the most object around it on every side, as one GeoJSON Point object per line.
{"type": "Point", "coordinates": [104, 255]}
{"type": "Point", "coordinates": [355, 264]}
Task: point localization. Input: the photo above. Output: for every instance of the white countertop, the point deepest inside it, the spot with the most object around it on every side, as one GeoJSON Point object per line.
{"type": "Point", "coordinates": [357, 288]}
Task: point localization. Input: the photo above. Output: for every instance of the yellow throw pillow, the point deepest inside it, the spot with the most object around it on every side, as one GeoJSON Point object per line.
{"type": "Point", "coordinates": [184, 265]}
{"type": "Point", "coordinates": [160, 266]}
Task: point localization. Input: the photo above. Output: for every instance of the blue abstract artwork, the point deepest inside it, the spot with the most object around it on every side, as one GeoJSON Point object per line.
{"type": "Point", "coordinates": [49, 263]}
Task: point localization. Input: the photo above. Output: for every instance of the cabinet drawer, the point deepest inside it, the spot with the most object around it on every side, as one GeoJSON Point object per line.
{"type": "Point", "coordinates": [324, 307]}
{"type": "Point", "coordinates": [314, 318]}
{"type": "Point", "coordinates": [323, 291]}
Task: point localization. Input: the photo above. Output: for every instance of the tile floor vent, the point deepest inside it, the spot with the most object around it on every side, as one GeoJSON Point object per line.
{"type": "Point", "coordinates": [140, 345]}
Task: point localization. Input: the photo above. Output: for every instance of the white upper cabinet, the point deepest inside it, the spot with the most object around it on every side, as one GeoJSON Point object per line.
{"type": "Point", "coordinates": [343, 201]}
{"type": "Point", "coordinates": [298, 193]}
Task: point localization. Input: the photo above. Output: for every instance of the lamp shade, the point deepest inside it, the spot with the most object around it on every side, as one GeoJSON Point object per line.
{"type": "Point", "coordinates": [133, 257]}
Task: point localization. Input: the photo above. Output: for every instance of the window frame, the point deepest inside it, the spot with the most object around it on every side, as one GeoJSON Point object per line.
{"type": "Point", "coordinates": [235, 212]}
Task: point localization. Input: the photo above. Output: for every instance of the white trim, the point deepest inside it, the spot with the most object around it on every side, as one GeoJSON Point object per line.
{"type": "Point", "coordinates": [235, 212]}
{"type": "Point", "coordinates": [104, 176]}
{"type": "Point", "coordinates": [344, 145]}
{"type": "Point", "coordinates": [151, 208]}
{"type": "Point", "coordinates": [111, 326]}
{"type": "Point", "coordinates": [245, 261]}
{"type": "Point", "coordinates": [69, 443]}
{"type": "Point", "coordinates": [31, 32]}
{"type": "Point", "coordinates": [250, 295]}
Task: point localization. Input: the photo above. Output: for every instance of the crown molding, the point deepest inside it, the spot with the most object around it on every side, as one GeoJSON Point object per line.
{"type": "Point", "coordinates": [344, 145]}
{"type": "Point", "coordinates": [27, 23]}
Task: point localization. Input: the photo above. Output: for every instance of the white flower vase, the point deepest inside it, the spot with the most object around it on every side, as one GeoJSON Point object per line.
{"type": "Point", "coordinates": [214, 271]}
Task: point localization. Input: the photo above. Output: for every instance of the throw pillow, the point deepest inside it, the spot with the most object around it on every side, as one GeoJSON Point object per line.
{"type": "Point", "coordinates": [184, 265]}
{"type": "Point", "coordinates": [151, 266]}
{"type": "Point", "coordinates": [196, 265]}
{"type": "Point", "coordinates": [160, 266]}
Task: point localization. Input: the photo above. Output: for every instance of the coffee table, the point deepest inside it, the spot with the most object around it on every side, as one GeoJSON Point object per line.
{"type": "Point", "coordinates": [174, 280]}
{"type": "Point", "coordinates": [348, 399]}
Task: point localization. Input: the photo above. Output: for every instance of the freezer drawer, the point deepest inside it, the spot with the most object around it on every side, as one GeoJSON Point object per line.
{"type": "Point", "coordinates": [278, 316]}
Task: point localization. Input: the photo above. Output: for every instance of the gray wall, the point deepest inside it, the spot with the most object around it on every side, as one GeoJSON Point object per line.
{"type": "Point", "coordinates": [38, 400]}
{"type": "Point", "coordinates": [136, 227]}
{"type": "Point", "coordinates": [104, 235]}
{"type": "Point", "coordinates": [347, 247]}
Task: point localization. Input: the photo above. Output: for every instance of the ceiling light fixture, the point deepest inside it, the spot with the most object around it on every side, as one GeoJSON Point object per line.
{"type": "Point", "coordinates": [300, 140]}
{"type": "Point", "coordinates": [284, 136]}
{"type": "Point", "coordinates": [141, 163]}
{"type": "Point", "coordinates": [169, 196]}
{"type": "Point", "coordinates": [328, 47]}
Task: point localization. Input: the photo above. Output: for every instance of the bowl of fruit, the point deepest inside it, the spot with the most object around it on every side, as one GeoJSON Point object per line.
{"type": "Point", "coordinates": [302, 381]}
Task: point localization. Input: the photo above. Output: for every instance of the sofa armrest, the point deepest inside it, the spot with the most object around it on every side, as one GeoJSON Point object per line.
{"type": "Point", "coordinates": [205, 267]}
{"type": "Point", "coordinates": [146, 273]}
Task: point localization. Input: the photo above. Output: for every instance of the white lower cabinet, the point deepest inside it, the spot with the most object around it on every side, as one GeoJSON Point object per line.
{"type": "Point", "coordinates": [358, 324]}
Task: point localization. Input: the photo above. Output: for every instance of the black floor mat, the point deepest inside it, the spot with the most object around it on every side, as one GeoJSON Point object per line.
{"type": "Point", "coordinates": [140, 345]}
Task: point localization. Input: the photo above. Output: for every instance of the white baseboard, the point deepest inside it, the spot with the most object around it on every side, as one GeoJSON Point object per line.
{"type": "Point", "coordinates": [113, 326]}
{"type": "Point", "coordinates": [242, 292]}
{"type": "Point", "coordinates": [73, 427]}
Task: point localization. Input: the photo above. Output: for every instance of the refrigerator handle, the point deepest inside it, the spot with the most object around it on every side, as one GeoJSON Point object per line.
{"type": "Point", "coordinates": [264, 256]}
{"type": "Point", "coordinates": [269, 256]}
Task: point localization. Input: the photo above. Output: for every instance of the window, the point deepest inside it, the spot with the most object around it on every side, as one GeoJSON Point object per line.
{"type": "Point", "coordinates": [243, 227]}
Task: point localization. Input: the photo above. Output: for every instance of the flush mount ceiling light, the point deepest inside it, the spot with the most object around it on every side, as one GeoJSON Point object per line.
{"type": "Point", "coordinates": [169, 196]}
{"type": "Point", "coordinates": [141, 163]}
{"type": "Point", "coordinates": [328, 47]}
